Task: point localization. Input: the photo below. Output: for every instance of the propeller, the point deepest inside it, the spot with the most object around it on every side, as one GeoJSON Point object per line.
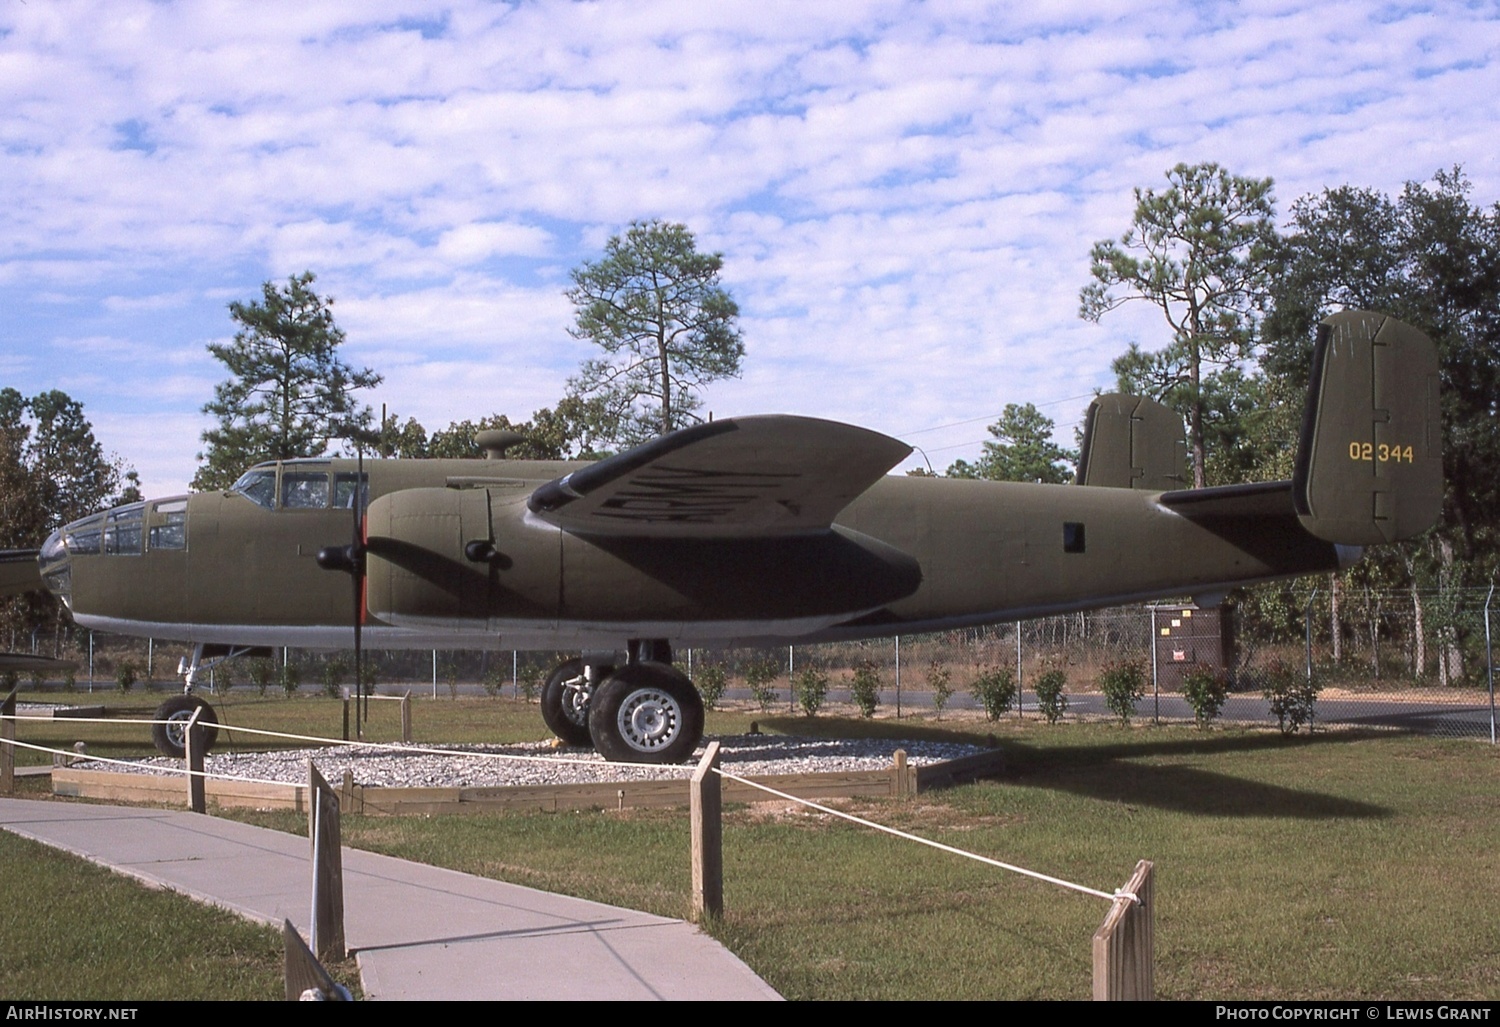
{"type": "Point", "coordinates": [351, 560]}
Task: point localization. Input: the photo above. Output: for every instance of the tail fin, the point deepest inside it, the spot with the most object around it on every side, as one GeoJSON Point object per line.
{"type": "Point", "coordinates": [1370, 460]}
{"type": "Point", "coordinates": [1130, 442]}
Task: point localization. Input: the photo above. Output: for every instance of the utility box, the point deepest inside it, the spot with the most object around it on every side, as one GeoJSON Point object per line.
{"type": "Point", "coordinates": [1187, 638]}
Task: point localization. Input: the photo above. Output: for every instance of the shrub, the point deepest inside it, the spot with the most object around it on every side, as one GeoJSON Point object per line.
{"type": "Point", "coordinates": [38, 679]}
{"type": "Point", "coordinates": [70, 680]}
{"type": "Point", "coordinates": [996, 690]}
{"type": "Point", "coordinates": [124, 676]}
{"type": "Point", "coordinates": [492, 681]}
{"type": "Point", "coordinates": [334, 671]}
{"type": "Point", "coordinates": [290, 678]}
{"type": "Point", "coordinates": [1049, 694]}
{"type": "Point", "coordinates": [811, 686]}
{"type": "Point", "coordinates": [221, 678]}
{"type": "Point", "coordinates": [759, 675]}
{"type": "Point", "coordinates": [1291, 696]}
{"type": "Point", "coordinates": [261, 672]}
{"type": "Point", "coordinates": [10, 679]}
{"type": "Point", "coordinates": [940, 680]}
{"type": "Point", "coordinates": [1123, 684]}
{"type": "Point", "coordinates": [450, 678]}
{"type": "Point", "coordinates": [1205, 692]}
{"type": "Point", "coordinates": [865, 688]}
{"type": "Point", "coordinates": [711, 682]}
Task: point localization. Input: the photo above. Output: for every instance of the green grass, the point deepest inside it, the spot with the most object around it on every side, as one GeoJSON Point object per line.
{"type": "Point", "coordinates": [75, 931]}
{"type": "Point", "coordinates": [1341, 865]}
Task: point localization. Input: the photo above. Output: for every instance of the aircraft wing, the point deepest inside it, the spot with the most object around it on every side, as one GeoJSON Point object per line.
{"type": "Point", "coordinates": [19, 571]}
{"type": "Point", "coordinates": [739, 477]}
{"type": "Point", "coordinates": [1261, 499]}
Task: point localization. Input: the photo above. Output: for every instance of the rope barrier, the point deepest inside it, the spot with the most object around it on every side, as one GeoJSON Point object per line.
{"type": "Point", "coordinates": [157, 770]}
{"type": "Point", "coordinates": [431, 751]}
{"type": "Point", "coordinates": [928, 841]}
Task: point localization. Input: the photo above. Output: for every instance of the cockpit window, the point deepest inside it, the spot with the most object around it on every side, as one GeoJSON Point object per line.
{"type": "Point", "coordinates": [82, 538]}
{"type": "Point", "coordinates": [122, 530]}
{"type": "Point", "coordinates": [304, 490]}
{"type": "Point", "coordinates": [343, 492]}
{"type": "Point", "coordinates": [168, 528]}
{"type": "Point", "coordinates": [258, 485]}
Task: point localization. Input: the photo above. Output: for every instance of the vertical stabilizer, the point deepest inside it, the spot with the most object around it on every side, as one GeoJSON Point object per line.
{"type": "Point", "coordinates": [1370, 461]}
{"type": "Point", "coordinates": [1132, 443]}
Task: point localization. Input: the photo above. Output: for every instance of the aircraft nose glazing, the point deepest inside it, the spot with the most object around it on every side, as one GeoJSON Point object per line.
{"type": "Point", "coordinates": [56, 566]}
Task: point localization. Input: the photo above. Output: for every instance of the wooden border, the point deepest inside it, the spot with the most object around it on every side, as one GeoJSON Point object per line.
{"type": "Point", "coordinates": [894, 781]}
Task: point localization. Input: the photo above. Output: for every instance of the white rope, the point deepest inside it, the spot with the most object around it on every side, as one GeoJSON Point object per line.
{"type": "Point", "coordinates": [928, 841]}
{"type": "Point", "coordinates": [390, 746]}
{"type": "Point", "coordinates": [164, 769]}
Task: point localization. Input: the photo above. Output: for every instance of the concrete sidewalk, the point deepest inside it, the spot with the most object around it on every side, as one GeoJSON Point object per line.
{"type": "Point", "coordinates": [418, 932]}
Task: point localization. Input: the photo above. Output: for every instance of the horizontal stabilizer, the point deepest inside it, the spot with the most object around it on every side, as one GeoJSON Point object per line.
{"type": "Point", "coordinates": [739, 477]}
{"type": "Point", "coordinates": [1260, 500]}
{"type": "Point", "coordinates": [1132, 443]}
{"type": "Point", "coordinates": [19, 571]}
{"type": "Point", "coordinates": [1370, 461]}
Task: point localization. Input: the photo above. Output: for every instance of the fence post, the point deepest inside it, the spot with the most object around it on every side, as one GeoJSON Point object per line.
{"type": "Point", "coordinates": [193, 744]}
{"type": "Point", "coordinates": [1124, 945]}
{"type": "Point", "coordinates": [328, 867]}
{"type": "Point", "coordinates": [706, 798]}
{"type": "Point", "coordinates": [7, 736]}
{"type": "Point", "coordinates": [406, 719]}
{"type": "Point", "coordinates": [304, 976]}
{"type": "Point", "coordinates": [903, 776]}
{"type": "Point", "coordinates": [1489, 660]}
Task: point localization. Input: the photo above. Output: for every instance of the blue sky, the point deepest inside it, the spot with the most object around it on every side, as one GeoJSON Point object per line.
{"type": "Point", "coordinates": [905, 194]}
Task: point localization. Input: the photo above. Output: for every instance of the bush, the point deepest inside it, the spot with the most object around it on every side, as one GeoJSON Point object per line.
{"type": "Point", "coordinates": [1049, 694]}
{"type": "Point", "coordinates": [334, 672]}
{"type": "Point", "coordinates": [70, 680]}
{"type": "Point", "coordinates": [759, 675]}
{"type": "Point", "coordinates": [711, 682]}
{"type": "Point", "coordinates": [865, 688]}
{"type": "Point", "coordinates": [221, 678]}
{"type": "Point", "coordinates": [1205, 692]}
{"type": "Point", "coordinates": [124, 676]}
{"type": "Point", "coordinates": [1123, 684]}
{"type": "Point", "coordinates": [492, 681]}
{"type": "Point", "coordinates": [8, 681]}
{"type": "Point", "coordinates": [996, 690]}
{"type": "Point", "coordinates": [290, 678]}
{"type": "Point", "coordinates": [811, 686]}
{"type": "Point", "coordinates": [1291, 696]}
{"type": "Point", "coordinates": [941, 682]}
{"type": "Point", "coordinates": [261, 671]}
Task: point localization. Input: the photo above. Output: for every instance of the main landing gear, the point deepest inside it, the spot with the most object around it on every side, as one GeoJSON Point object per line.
{"type": "Point", "coordinates": [644, 712]}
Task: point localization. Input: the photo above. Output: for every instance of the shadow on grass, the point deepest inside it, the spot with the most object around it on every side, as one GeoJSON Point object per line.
{"type": "Point", "coordinates": [1110, 770]}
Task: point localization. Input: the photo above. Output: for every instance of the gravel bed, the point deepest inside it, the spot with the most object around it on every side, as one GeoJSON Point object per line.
{"type": "Point", "coordinates": [537, 763]}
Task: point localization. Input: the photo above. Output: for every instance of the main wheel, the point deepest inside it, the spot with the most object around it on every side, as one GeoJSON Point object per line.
{"type": "Point", "coordinates": [170, 738]}
{"type": "Point", "coordinates": [646, 713]}
{"type": "Point", "coordinates": [565, 709]}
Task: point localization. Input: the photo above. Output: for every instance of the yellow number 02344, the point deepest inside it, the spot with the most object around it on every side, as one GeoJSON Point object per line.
{"type": "Point", "coordinates": [1383, 453]}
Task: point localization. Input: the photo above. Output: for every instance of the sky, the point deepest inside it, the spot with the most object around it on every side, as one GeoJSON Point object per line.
{"type": "Point", "coordinates": [904, 194]}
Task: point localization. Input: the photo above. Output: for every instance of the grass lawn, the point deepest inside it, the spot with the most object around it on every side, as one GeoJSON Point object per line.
{"type": "Point", "coordinates": [1341, 865]}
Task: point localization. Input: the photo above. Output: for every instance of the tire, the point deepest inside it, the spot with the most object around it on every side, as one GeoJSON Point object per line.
{"type": "Point", "coordinates": [646, 713]}
{"type": "Point", "coordinates": [564, 715]}
{"type": "Point", "coordinates": [171, 739]}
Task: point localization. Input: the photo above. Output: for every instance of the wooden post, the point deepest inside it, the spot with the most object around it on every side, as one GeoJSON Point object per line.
{"type": "Point", "coordinates": [1125, 944]}
{"type": "Point", "coordinates": [193, 743]}
{"type": "Point", "coordinates": [903, 776]}
{"type": "Point", "coordinates": [328, 868]}
{"type": "Point", "coordinates": [304, 975]}
{"type": "Point", "coordinates": [346, 714]}
{"type": "Point", "coordinates": [7, 736]}
{"type": "Point", "coordinates": [406, 719]}
{"type": "Point", "coordinates": [706, 796]}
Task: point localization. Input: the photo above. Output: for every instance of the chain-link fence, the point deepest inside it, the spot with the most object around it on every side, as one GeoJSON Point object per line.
{"type": "Point", "coordinates": [1417, 660]}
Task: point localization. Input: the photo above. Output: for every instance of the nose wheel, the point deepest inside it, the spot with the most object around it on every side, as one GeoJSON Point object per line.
{"type": "Point", "coordinates": [170, 737]}
{"type": "Point", "coordinates": [646, 713]}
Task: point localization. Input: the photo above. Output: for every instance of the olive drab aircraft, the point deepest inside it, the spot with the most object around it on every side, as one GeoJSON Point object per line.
{"type": "Point", "coordinates": [745, 531]}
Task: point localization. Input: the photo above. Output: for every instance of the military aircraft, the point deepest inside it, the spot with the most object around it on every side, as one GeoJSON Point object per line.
{"type": "Point", "coordinates": [746, 531]}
